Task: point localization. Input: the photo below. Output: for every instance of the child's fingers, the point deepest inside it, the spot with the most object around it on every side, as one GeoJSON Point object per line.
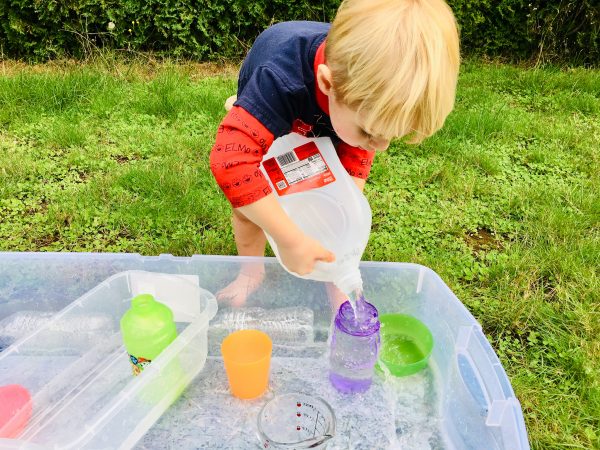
{"type": "Point", "coordinates": [326, 256]}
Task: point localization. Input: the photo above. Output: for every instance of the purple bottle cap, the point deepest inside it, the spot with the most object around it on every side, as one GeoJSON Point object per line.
{"type": "Point", "coordinates": [365, 323]}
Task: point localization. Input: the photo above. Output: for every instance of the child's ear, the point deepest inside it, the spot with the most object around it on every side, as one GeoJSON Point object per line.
{"type": "Point", "coordinates": [324, 79]}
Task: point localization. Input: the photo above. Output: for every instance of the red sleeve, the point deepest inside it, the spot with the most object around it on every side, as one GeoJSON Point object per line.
{"type": "Point", "coordinates": [355, 160]}
{"type": "Point", "coordinates": [235, 158]}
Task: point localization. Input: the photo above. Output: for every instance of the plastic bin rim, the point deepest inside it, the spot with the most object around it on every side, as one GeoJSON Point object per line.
{"type": "Point", "coordinates": [232, 258]}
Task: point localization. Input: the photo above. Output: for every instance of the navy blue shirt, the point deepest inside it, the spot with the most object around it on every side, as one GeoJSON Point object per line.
{"type": "Point", "coordinates": [277, 79]}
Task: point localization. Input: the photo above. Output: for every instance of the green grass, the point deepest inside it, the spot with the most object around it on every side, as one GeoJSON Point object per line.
{"type": "Point", "coordinates": [503, 202]}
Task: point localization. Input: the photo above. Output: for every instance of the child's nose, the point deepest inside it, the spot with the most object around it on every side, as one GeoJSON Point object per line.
{"type": "Point", "coordinates": [379, 144]}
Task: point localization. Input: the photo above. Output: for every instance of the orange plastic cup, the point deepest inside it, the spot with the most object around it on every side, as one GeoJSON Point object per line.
{"type": "Point", "coordinates": [247, 359]}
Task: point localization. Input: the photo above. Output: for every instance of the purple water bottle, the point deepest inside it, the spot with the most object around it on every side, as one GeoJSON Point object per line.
{"type": "Point", "coordinates": [354, 347]}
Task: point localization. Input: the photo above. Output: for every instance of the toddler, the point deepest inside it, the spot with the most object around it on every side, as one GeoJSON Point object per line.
{"type": "Point", "coordinates": [383, 69]}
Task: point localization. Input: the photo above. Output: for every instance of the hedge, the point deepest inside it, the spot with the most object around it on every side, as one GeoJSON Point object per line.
{"type": "Point", "coordinates": [553, 30]}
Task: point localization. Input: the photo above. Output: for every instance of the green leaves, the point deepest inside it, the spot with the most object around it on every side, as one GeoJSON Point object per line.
{"type": "Point", "coordinates": [539, 30]}
{"type": "Point", "coordinates": [199, 29]}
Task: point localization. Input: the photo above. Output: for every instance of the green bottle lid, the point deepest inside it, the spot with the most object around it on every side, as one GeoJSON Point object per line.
{"type": "Point", "coordinates": [147, 327]}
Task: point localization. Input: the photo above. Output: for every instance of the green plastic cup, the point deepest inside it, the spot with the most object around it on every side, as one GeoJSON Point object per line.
{"type": "Point", "coordinates": [406, 344]}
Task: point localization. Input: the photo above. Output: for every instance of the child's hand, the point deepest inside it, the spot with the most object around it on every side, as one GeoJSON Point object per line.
{"type": "Point", "coordinates": [301, 256]}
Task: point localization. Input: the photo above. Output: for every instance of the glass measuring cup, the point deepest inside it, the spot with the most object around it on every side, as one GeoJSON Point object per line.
{"type": "Point", "coordinates": [295, 421]}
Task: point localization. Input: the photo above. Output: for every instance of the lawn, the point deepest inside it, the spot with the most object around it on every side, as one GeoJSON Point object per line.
{"type": "Point", "coordinates": [503, 203]}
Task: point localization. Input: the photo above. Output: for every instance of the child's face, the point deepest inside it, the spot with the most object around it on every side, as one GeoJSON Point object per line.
{"type": "Point", "coordinates": [348, 125]}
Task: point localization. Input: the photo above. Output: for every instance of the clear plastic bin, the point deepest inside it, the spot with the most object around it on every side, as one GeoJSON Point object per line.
{"type": "Point", "coordinates": [462, 400]}
{"type": "Point", "coordinates": [77, 371]}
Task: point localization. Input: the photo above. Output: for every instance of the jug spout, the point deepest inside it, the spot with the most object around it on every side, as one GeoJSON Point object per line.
{"type": "Point", "coordinates": [350, 281]}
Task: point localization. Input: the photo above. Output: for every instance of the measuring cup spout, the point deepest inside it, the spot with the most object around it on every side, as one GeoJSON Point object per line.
{"type": "Point", "coordinates": [317, 442]}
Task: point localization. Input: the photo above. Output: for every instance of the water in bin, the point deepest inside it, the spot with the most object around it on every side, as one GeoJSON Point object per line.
{"type": "Point", "coordinates": [296, 421]}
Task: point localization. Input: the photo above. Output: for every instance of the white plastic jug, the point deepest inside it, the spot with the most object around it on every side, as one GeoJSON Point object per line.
{"type": "Point", "coordinates": [320, 197]}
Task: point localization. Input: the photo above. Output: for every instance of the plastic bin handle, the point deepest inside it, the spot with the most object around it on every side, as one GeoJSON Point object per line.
{"type": "Point", "coordinates": [486, 381]}
{"type": "Point", "coordinates": [480, 368]}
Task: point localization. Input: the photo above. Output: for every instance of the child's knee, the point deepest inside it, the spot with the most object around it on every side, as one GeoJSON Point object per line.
{"type": "Point", "coordinates": [241, 219]}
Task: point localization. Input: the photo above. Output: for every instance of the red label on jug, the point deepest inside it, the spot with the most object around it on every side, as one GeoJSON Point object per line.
{"type": "Point", "coordinates": [298, 170]}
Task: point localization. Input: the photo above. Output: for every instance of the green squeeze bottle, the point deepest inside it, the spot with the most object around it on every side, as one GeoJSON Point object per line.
{"type": "Point", "coordinates": [147, 329]}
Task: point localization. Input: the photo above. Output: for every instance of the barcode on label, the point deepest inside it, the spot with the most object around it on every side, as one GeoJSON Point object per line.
{"type": "Point", "coordinates": [302, 169]}
{"type": "Point", "coordinates": [287, 158]}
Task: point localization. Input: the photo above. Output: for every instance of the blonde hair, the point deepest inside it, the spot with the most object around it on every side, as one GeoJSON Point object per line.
{"type": "Point", "coordinates": [396, 63]}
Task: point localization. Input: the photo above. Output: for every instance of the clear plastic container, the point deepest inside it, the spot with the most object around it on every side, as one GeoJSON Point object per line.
{"type": "Point", "coordinates": [461, 400]}
{"type": "Point", "coordinates": [320, 197]}
{"type": "Point", "coordinates": [83, 392]}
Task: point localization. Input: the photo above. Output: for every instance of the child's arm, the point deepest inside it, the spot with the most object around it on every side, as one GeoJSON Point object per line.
{"type": "Point", "coordinates": [298, 252]}
{"type": "Point", "coordinates": [235, 159]}
{"type": "Point", "coordinates": [357, 162]}
{"type": "Point", "coordinates": [360, 182]}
